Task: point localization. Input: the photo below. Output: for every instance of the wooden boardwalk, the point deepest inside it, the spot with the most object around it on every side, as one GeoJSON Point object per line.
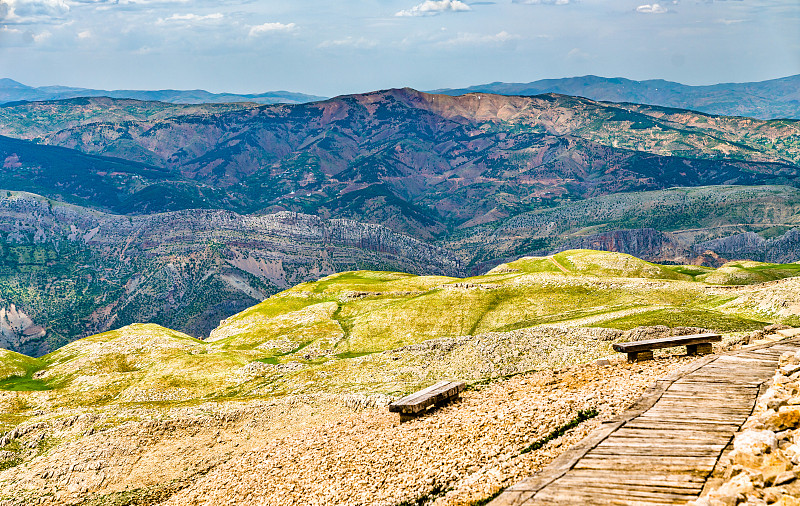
{"type": "Point", "coordinates": [664, 449]}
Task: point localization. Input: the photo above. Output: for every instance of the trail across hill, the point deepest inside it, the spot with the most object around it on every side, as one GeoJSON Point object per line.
{"type": "Point", "coordinates": [664, 449]}
{"type": "Point", "coordinates": [560, 267]}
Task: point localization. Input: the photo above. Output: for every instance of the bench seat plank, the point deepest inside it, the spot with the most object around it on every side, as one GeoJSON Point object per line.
{"type": "Point", "coordinates": [434, 394]}
{"type": "Point", "coordinates": [667, 342]}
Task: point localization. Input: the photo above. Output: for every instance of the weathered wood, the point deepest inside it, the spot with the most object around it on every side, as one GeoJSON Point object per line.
{"type": "Point", "coordinates": [635, 476]}
{"type": "Point", "coordinates": [665, 447]}
{"type": "Point", "coordinates": [612, 480]}
{"type": "Point", "coordinates": [640, 356]}
{"type": "Point", "coordinates": [698, 349]}
{"type": "Point", "coordinates": [700, 465]}
{"type": "Point", "coordinates": [667, 342]}
{"type": "Point", "coordinates": [417, 403]}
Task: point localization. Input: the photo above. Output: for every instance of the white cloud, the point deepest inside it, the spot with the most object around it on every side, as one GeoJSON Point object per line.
{"type": "Point", "coordinates": [476, 39]}
{"type": "Point", "coordinates": [359, 42]}
{"type": "Point", "coordinates": [652, 9]}
{"type": "Point", "coordinates": [191, 18]}
{"type": "Point", "coordinates": [84, 34]}
{"type": "Point", "coordinates": [41, 36]}
{"type": "Point", "coordinates": [271, 27]}
{"type": "Point", "coordinates": [577, 54]}
{"type": "Point", "coordinates": [33, 11]}
{"type": "Point", "coordinates": [729, 21]}
{"type": "Point", "coordinates": [433, 7]}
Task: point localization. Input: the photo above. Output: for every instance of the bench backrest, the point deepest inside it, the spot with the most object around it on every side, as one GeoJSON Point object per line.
{"type": "Point", "coordinates": [666, 342]}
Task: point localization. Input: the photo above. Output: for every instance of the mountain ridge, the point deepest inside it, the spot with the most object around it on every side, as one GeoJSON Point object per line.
{"type": "Point", "coordinates": [14, 91]}
{"type": "Point", "coordinates": [419, 163]}
{"type": "Point", "coordinates": [770, 99]}
{"type": "Point", "coordinates": [394, 179]}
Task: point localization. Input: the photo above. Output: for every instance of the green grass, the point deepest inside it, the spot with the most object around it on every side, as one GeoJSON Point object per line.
{"type": "Point", "coordinates": [683, 317]}
{"type": "Point", "coordinates": [748, 273]}
{"type": "Point", "coordinates": [24, 385]}
{"type": "Point", "coordinates": [336, 329]}
{"type": "Point", "coordinates": [353, 354]}
{"type": "Point", "coordinates": [689, 270]}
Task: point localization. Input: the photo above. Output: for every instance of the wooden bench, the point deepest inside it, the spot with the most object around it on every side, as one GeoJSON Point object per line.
{"type": "Point", "coordinates": [416, 404]}
{"type": "Point", "coordinates": [696, 344]}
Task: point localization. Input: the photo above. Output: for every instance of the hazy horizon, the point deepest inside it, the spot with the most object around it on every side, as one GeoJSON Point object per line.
{"type": "Point", "coordinates": [353, 46]}
{"type": "Point", "coordinates": [367, 91]}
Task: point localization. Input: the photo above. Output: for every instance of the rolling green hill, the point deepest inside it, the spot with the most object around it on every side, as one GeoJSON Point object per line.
{"type": "Point", "coordinates": [387, 332]}
{"type": "Point", "coordinates": [331, 352]}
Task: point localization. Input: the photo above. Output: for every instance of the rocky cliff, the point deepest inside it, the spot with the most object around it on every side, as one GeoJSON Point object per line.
{"type": "Point", "coordinates": [78, 271]}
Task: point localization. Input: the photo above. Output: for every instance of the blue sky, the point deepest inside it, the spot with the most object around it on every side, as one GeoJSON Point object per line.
{"type": "Point", "coordinates": [348, 46]}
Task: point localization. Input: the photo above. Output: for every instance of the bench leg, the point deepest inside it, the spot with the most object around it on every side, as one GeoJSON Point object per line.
{"type": "Point", "coordinates": [699, 349]}
{"type": "Point", "coordinates": [407, 417]}
{"type": "Point", "coordinates": [640, 356]}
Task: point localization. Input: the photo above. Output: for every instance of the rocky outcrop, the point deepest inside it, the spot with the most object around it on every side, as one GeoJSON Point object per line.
{"type": "Point", "coordinates": [751, 246]}
{"type": "Point", "coordinates": [19, 332]}
{"type": "Point", "coordinates": [647, 243]}
{"type": "Point", "coordinates": [656, 246]}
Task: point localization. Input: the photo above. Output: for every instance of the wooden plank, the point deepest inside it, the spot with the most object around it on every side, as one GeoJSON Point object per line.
{"type": "Point", "coordinates": [624, 443]}
{"type": "Point", "coordinates": [595, 494]}
{"type": "Point", "coordinates": [644, 484]}
{"type": "Point", "coordinates": [676, 448]}
{"type": "Point", "coordinates": [722, 429]}
{"type": "Point", "coordinates": [700, 416]}
{"type": "Point", "coordinates": [735, 424]}
{"type": "Point", "coordinates": [420, 394]}
{"type": "Point", "coordinates": [667, 342]}
{"type": "Point", "coordinates": [643, 489]}
{"type": "Point", "coordinates": [707, 397]}
{"type": "Point", "coordinates": [667, 435]}
{"type": "Point", "coordinates": [675, 479]}
{"type": "Point", "coordinates": [653, 451]}
{"type": "Point", "coordinates": [688, 383]}
{"type": "Point", "coordinates": [671, 412]}
{"type": "Point", "coordinates": [700, 465]}
{"type": "Point", "coordinates": [700, 406]}
{"type": "Point", "coordinates": [419, 401]}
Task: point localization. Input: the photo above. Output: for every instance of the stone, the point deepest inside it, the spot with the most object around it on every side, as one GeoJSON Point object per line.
{"type": "Point", "coordinates": [784, 477]}
{"type": "Point", "coordinates": [755, 442]}
{"type": "Point", "coordinates": [789, 416]}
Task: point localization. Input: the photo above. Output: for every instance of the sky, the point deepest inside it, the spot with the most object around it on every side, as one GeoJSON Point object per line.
{"type": "Point", "coordinates": [336, 47]}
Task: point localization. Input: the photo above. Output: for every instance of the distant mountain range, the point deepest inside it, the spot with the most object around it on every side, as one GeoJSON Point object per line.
{"type": "Point", "coordinates": [184, 214]}
{"type": "Point", "coordinates": [772, 99]}
{"type": "Point", "coordinates": [13, 91]}
{"type": "Point", "coordinates": [776, 98]}
{"type": "Point", "coordinates": [418, 163]}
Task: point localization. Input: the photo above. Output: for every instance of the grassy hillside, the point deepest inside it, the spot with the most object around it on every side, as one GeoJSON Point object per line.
{"type": "Point", "coordinates": [387, 332]}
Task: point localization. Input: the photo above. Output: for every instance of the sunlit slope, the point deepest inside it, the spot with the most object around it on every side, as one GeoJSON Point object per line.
{"type": "Point", "coordinates": [597, 264]}
{"type": "Point", "coordinates": [364, 312]}
{"type": "Point", "coordinates": [14, 366]}
{"type": "Point", "coordinates": [137, 363]}
{"type": "Point", "coordinates": [388, 332]}
{"type": "Point", "coordinates": [745, 273]}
